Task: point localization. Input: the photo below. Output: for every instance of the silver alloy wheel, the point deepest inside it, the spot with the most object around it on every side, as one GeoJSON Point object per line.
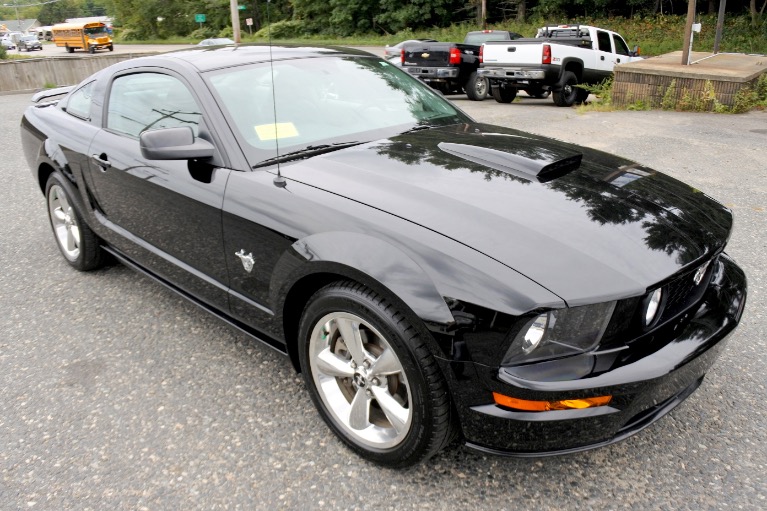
{"type": "Point", "coordinates": [360, 380]}
{"type": "Point", "coordinates": [64, 222]}
{"type": "Point", "coordinates": [481, 86]}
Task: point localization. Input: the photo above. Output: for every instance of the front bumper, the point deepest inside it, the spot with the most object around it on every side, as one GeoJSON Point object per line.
{"type": "Point", "coordinates": [644, 388]}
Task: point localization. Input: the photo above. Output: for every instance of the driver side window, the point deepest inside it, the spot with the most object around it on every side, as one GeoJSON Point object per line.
{"type": "Point", "coordinates": [150, 101]}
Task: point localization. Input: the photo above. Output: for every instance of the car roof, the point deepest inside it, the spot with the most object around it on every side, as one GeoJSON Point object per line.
{"type": "Point", "coordinates": [210, 58]}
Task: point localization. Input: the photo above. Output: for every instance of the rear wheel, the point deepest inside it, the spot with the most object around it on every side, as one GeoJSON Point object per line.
{"type": "Point", "coordinates": [537, 93]}
{"type": "Point", "coordinates": [77, 242]}
{"type": "Point", "coordinates": [69, 49]}
{"type": "Point", "coordinates": [568, 92]}
{"type": "Point", "coordinates": [504, 94]}
{"type": "Point", "coordinates": [581, 96]}
{"type": "Point", "coordinates": [476, 87]}
{"type": "Point", "coordinates": [372, 377]}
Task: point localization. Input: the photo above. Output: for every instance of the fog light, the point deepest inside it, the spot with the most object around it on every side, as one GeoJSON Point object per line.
{"type": "Point", "coordinates": [652, 306]}
{"type": "Point", "coordinates": [534, 334]}
{"type": "Point", "coordinates": [545, 406]}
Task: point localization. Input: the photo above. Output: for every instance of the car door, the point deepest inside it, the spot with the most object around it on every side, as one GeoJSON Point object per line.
{"type": "Point", "coordinates": [622, 53]}
{"type": "Point", "coordinates": [166, 214]}
{"type": "Point", "coordinates": [605, 55]}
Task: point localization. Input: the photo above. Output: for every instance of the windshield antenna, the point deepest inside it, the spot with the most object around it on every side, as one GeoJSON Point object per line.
{"type": "Point", "coordinates": [279, 180]}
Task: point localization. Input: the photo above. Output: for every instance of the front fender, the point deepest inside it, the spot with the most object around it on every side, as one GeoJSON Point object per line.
{"type": "Point", "coordinates": [350, 253]}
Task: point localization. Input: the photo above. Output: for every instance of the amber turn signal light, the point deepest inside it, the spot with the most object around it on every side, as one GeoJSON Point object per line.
{"type": "Point", "coordinates": [545, 406]}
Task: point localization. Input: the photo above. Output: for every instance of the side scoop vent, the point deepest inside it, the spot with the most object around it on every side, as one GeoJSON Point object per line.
{"type": "Point", "coordinates": [541, 166]}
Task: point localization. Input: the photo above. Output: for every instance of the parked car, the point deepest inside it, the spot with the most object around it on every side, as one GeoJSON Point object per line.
{"type": "Point", "coordinates": [452, 67]}
{"type": "Point", "coordinates": [432, 277]}
{"type": "Point", "coordinates": [557, 60]}
{"type": "Point", "coordinates": [215, 41]}
{"type": "Point", "coordinates": [395, 50]}
{"type": "Point", "coordinates": [29, 43]}
{"type": "Point", "coordinates": [8, 44]}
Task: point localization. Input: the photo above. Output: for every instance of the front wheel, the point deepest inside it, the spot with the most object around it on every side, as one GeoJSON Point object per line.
{"type": "Point", "coordinates": [476, 87]}
{"type": "Point", "coordinates": [77, 242]}
{"type": "Point", "coordinates": [91, 49]}
{"type": "Point", "coordinates": [567, 93]}
{"type": "Point", "coordinates": [372, 377]}
{"type": "Point", "coordinates": [111, 47]}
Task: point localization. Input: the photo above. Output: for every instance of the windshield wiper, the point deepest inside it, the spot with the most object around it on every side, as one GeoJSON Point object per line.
{"type": "Point", "coordinates": [420, 127]}
{"type": "Point", "coordinates": [306, 152]}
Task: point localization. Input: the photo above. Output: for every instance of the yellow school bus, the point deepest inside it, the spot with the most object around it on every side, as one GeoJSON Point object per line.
{"type": "Point", "coordinates": [88, 36]}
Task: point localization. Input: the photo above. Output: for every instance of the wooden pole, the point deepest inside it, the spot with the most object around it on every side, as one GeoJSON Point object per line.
{"type": "Point", "coordinates": [688, 32]}
{"type": "Point", "coordinates": [719, 25]}
{"type": "Point", "coordinates": [235, 20]}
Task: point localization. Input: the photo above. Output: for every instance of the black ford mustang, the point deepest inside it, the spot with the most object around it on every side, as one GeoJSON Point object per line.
{"type": "Point", "coordinates": [431, 277]}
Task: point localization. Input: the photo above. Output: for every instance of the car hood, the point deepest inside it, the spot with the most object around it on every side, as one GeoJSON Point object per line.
{"type": "Point", "coordinates": [608, 228]}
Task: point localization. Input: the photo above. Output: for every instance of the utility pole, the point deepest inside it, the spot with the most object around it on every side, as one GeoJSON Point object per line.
{"type": "Point", "coordinates": [688, 32]}
{"type": "Point", "coordinates": [719, 25]}
{"type": "Point", "coordinates": [235, 20]}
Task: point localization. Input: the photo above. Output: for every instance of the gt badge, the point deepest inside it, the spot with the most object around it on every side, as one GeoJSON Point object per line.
{"type": "Point", "coordinates": [247, 260]}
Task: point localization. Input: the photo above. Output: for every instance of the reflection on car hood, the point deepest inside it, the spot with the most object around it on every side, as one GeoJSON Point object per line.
{"type": "Point", "coordinates": [607, 229]}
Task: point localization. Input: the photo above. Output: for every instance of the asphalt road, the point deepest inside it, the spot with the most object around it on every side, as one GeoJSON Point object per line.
{"type": "Point", "coordinates": [116, 394]}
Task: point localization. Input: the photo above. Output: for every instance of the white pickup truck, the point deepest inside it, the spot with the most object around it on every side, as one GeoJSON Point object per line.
{"type": "Point", "coordinates": [557, 60]}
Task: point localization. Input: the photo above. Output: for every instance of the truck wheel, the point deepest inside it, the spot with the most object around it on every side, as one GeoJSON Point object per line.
{"type": "Point", "coordinates": [582, 96]}
{"type": "Point", "coordinates": [537, 93]}
{"type": "Point", "coordinates": [69, 49]}
{"type": "Point", "coordinates": [91, 49]}
{"type": "Point", "coordinates": [111, 47]}
{"type": "Point", "coordinates": [504, 94]}
{"type": "Point", "coordinates": [476, 87]}
{"type": "Point", "coordinates": [568, 92]}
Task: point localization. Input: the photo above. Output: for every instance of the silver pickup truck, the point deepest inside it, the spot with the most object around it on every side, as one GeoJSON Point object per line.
{"type": "Point", "coordinates": [556, 60]}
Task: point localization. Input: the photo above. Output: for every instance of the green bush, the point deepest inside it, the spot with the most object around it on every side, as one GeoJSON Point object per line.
{"type": "Point", "coordinates": [287, 29]}
{"type": "Point", "coordinates": [203, 33]}
{"type": "Point", "coordinates": [226, 32]}
{"type": "Point", "coordinates": [3, 52]}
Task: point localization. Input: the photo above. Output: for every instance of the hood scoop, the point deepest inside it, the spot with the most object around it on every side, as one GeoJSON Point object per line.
{"type": "Point", "coordinates": [529, 163]}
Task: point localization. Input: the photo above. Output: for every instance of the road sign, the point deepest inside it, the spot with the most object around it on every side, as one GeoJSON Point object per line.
{"type": "Point", "coordinates": [249, 22]}
{"type": "Point", "coordinates": [199, 18]}
{"type": "Point", "coordinates": [240, 7]}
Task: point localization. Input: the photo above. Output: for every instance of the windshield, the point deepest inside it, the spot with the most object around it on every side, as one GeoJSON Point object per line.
{"type": "Point", "coordinates": [96, 31]}
{"type": "Point", "coordinates": [326, 100]}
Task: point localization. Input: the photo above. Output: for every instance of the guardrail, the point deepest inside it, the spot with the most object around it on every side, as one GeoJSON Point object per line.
{"type": "Point", "coordinates": [30, 75]}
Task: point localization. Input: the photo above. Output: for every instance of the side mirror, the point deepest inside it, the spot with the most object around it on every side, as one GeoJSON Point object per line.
{"type": "Point", "coordinates": [635, 52]}
{"type": "Point", "coordinates": [174, 144]}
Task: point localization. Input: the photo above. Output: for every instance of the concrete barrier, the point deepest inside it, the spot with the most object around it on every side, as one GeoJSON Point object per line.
{"type": "Point", "coordinates": [30, 75]}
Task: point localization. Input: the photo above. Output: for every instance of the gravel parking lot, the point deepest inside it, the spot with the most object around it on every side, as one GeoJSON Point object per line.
{"type": "Point", "coordinates": [116, 394]}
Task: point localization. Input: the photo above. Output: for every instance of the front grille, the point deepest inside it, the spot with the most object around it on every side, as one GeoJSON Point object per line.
{"type": "Point", "coordinates": [682, 293]}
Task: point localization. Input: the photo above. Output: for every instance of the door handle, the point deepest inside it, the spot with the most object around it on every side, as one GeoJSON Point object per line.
{"type": "Point", "coordinates": [619, 61]}
{"type": "Point", "coordinates": [602, 57]}
{"type": "Point", "coordinates": [101, 161]}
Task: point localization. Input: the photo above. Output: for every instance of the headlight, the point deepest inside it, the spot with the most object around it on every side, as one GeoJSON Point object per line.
{"type": "Point", "coordinates": [560, 333]}
{"type": "Point", "coordinates": [653, 305]}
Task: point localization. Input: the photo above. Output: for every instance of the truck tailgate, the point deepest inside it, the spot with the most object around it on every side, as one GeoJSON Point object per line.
{"type": "Point", "coordinates": [427, 54]}
{"type": "Point", "coordinates": [520, 52]}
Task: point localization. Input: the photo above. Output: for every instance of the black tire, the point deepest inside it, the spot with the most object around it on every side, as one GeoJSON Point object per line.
{"type": "Point", "coordinates": [91, 49]}
{"type": "Point", "coordinates": [81, 248]}
{"type": "Point", "coordinates": [111, 47]}
{"type": "Point", "coordinates": [504, 94]}
{"type": "Point", "coordinates": [411, 386]}
{"type": "Point", "coordinates": [476, 87]}
{"type": "Point", "coordinates": [537, 93]}
{"type": "Point", "coordinates": [567, 92]}
{"type": "Point", "coordinates": [69, 49]}
{"type": "Point", "coordinates": [582, 96]}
